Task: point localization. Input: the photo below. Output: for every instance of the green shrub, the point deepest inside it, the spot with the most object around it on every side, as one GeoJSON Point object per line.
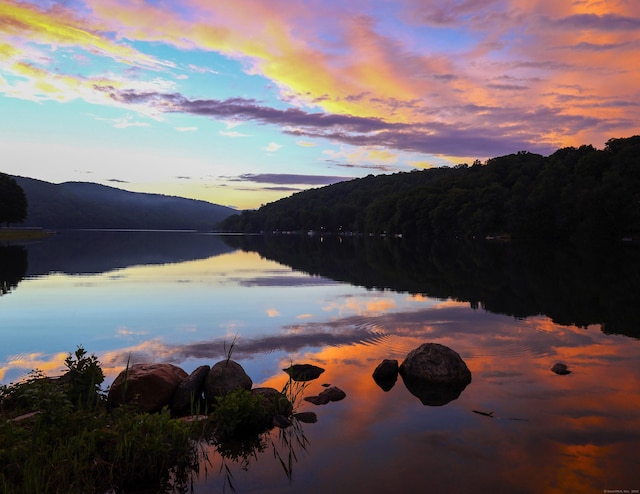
{"type": "Point", "coordinates": [239, 413]}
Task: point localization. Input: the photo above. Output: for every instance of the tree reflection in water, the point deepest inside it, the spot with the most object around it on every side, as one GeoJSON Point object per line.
{"type": "Point", "coordinates": [13, 267]}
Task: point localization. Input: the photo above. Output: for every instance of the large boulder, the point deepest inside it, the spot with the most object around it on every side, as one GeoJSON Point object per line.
{"type": "Point", "coordinates": [149, 386]}
{"type": "Point", "coordinates": [224, 377]}
{"type": "Point", "coordinates": [435, 373]}
{"type": "Point", "coordinates": [189, 397]}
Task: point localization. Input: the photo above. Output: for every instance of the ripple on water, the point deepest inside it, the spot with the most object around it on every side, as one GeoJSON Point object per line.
{"type": "Point", "coordinates": [521, 343]}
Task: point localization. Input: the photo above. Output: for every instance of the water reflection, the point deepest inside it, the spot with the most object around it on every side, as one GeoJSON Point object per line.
{"type": "Point", "coordinates": [573, 284]}
{"type": "Point", "coordinates": [99, 251]}
{"type": "Point", "coordinates": [574, 433]}
{"type": "Point", "coordinates": [13, 267]}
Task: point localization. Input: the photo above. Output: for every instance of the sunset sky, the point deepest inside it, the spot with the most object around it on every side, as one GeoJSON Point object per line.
{"type": "Point", "coordinates": [243, 102]}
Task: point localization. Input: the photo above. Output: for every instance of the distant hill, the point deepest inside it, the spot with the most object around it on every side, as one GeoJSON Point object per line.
{"type": "Point", "coordinates": [580, 192]}
{"type": "Point", "coordinates": [90, 205]}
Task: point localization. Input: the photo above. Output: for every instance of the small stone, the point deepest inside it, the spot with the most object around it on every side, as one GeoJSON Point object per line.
{"type": "Point", "coordinates": [560, 369]}
{"type": "Point", "coordinates": [317, 400]}
{"type": "Point", "coordinates": [333, 394]}
{"type": "Point", "coordinates": [306, 417]}
{"type": "Point", "coordinates": [281, 421]}
{"type": "Point", "coordinates": [304, 372]}
{"type": "Point", "coordinates": [386, 374]}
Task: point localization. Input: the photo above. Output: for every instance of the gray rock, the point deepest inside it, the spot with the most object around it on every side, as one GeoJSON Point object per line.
{"type": "Point", "coordinates": [189, 395]}
{"type": "Point", "coordinates": [435, 374]}
{"type": "Point", "coordinates": [223, 378]}
{"type": "Point", "coordinates": [149, 386]}
{"type": "Point", "coordinates": [437, 364]}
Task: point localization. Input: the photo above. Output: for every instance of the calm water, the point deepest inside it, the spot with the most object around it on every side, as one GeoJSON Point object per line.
{"type": "Point", "coordinates": [345, 305]}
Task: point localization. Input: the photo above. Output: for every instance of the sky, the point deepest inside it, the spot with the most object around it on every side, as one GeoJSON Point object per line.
{"type": "Point", "coordinates": [243, 102]}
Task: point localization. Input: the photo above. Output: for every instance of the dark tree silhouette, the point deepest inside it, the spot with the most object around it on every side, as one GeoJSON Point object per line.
{"type": "Point", "coordinates": [581, 193]}
{"type": "Point", "coordinates": [13, 201]}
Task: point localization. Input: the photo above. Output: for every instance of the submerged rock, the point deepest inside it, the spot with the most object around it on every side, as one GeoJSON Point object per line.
{"type": "Point", "coordinates": [149, 386]}
{"type": "Point", "coordinates": [306, 417]}
{"type": "Point", "coordinates": [332, 393]}
{"type": "Point", "coordinates": [304, 372]}
{"type": "Point", "coordinates": [560, 369]}
{"type": "Point", "coordinates": [386, 374]}
{"type": "Point", "coordinates": [317, 400]}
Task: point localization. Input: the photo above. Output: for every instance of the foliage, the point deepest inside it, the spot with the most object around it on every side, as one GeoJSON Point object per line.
{"type": "Point", "coordinates": [56, 435]}
{"type": "Point", "coordinates": [239, 413]}
{"type": "Point", "coordinates": [83, 378]}
{"type": "Point", "coordinates": [574, 193]}
{"type": "Point", "coordinates": [13, 201]}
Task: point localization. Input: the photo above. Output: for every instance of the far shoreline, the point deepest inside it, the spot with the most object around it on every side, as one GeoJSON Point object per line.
{"type": "Point", "coordinates": [19, 234]}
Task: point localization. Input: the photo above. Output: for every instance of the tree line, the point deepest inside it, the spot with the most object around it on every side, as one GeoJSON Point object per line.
{"type": "Point", "coordinates": [573, 193]}
{"type": "Point", "coordinates": [13, 201]}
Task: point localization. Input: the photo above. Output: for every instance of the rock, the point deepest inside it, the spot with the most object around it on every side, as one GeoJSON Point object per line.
{"type": "Point", "coordinates": [437, 364]}
{"type": "Point", "coordinates": [306, 417]}
{"type": "Point", "coordinates": [317, 400]}
{"type": "Point", "coordinates": [304, 372]}
{"type": "Point", "coordinates": [326, 395]}
{"type": "Point", "coordinates": [149, 386]}
{"type": "Point", "coordinates": [560, 369]}
{"type": "Point", "coordinates": [333, 393]}
{"type": "Point", "coordinates": [386, 374]}
{"type": "Point", "coordinates": [281, 421]}
{"type": "Point", "coordinates": [189, 395]}
{"type": "Point", "coordinates": [435, 374]}
{"type": "Point", "coordinates": [223, 378]}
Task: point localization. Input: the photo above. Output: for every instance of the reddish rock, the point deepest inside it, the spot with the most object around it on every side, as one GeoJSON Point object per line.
{"type": "Point", "coordinates": [149, 386]}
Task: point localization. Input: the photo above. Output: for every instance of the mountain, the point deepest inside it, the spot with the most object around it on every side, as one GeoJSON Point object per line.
{"type": "Point", "coordinates": [90, 205]}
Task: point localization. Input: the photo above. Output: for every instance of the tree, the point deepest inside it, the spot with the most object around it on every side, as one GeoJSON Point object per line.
{"type": "Point", "coordinates": [13, 201]}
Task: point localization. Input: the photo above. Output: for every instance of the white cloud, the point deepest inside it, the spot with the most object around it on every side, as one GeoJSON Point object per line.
{"type": "Point", "coordinates": [273, 147]}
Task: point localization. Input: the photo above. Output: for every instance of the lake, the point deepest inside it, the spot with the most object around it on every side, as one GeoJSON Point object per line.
{"type": "Point", "coordinates": [511, 311]}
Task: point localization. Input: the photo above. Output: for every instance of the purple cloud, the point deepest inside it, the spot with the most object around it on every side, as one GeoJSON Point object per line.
{"type": "Point", "coordinates": [289, 179]}
{"type": "Point", "coordinates": [606, 22]}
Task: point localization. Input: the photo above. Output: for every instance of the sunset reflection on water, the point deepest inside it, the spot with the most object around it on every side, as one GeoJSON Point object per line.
{"type": "Point", "coordinates": [547, 433]}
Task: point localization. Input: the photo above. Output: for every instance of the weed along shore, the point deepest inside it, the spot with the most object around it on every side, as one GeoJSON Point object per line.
{"type": "Point", "coordinates": [66, 434]}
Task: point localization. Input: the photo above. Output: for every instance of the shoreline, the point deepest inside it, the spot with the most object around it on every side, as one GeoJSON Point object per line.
{"type": "Point", "coordinates": [20, 234]}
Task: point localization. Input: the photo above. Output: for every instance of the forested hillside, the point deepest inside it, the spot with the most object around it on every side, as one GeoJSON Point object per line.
{"type": "Point", "coordinates": [575, 192]}
{"type": "Point", "coordinates": [88, 205]}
